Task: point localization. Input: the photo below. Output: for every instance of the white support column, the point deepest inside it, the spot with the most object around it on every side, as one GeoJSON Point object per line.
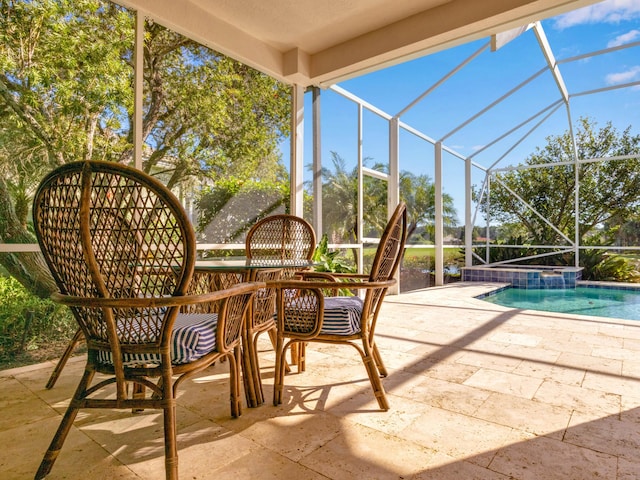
{"type": "Point", "coordinates": [576, 191]}
{"type": "Point", "coordinates": [297, 150]}
{"type": "Point", "coordinates": [488, 227]}
{"type": "Point", "coordinates": [317, 162]}
{"type": "Point", "coordinates": [138, 90]}
{"type": "Point", "coordinates": [439, 227]}
{"type": "Point", "coordinates": [468, 220]}
{"type": "Point", "coordinates": [393, 185]}
{"type": "Point", "coordinates": [360, 199]}
{"type": "Point", "coordinates": [393, 192]}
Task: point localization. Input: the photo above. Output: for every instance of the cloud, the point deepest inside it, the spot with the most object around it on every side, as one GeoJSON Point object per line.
{"type": "Point", "coordinates": [624, 38]}
{"type": "Point", "coordinates": [623, 77]}
{"type": "Point", "coordinates": [610, 11]}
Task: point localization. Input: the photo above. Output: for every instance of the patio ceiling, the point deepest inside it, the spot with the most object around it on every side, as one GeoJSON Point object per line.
{"type": "Point", "coordinates": [321, 42]}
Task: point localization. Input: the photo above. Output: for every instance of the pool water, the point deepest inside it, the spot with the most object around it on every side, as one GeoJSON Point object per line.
{"type": "Point", "coordinates": [599, 302]}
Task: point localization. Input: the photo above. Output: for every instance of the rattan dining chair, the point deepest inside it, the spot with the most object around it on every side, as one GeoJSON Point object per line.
{"type": "Point", "coordinates": [305, 314]}
{"type": "Point", "coordinates": [276, 237]}
{"type": "Point", "coordinates": [281, 237]}
{"type": "Point", "coordinates": [122, 252]}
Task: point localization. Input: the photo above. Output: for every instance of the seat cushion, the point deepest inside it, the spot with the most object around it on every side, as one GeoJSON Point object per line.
{"type": "Point", "coordinates": [193, 336]}
{"type": "Point", "coordinates": [342, 315]}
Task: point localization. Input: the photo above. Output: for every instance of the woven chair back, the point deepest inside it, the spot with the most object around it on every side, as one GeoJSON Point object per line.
{"type": "Point", "coordinates": [387, 259]}
{"type": "Point", "coordinates": [281, 237]}
{"type": "Point", "coordinates": [110, 231]}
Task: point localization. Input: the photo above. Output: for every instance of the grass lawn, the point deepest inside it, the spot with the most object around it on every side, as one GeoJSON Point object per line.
{"type": "Point", "coordinates": [451, 255]}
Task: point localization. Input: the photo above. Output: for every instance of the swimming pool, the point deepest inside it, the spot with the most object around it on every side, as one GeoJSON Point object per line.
{"type": "Point", "coordinates": [596, 301]}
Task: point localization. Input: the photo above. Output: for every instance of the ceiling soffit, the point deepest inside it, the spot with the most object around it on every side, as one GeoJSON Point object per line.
{"type": "Point", "coordinates": [320, 42]}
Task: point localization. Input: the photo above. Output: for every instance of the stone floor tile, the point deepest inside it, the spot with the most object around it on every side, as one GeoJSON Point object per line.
{"type": "Point", "coordinates": [493, 361]}
{"type": "Point", "coordinates": [590, 363]}
{"type": "Point", "coordinates": [447, 468]}
{"type": "Point", "coordinates": [451, 396]}
{"type": "Point", "coordinates": [524, 414]}
{"type": "Point", "coordinates": [549, 459]}
{"type": "Point", "coordinates": [361, 452]}
{"type": "Point", "coordinates": [504, 382]}
{"type": "Point", "coordinates": [608, 435]}
{"type": "Point", "coordinates": [628, 470]}
{"type": "Point", "coordinates": [577, 398]}
{"type": "Point", "coordinates": [460, 436]}
{"type": "Point", "coordinates": [551, 371]}
{"type": "Point", "coordinates": [612, 383]}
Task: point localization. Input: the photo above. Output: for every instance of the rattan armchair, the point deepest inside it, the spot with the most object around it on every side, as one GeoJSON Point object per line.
{"type": "Point", "coordinates": [305, 314]}
{"type": "Point", "coordinates": [122, 253]}
{"type": "Point", "coordinates": [276, 237]}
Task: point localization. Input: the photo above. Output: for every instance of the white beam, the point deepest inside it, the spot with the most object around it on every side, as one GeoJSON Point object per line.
{"type": "Point", "coordinates": [439, 221]}
{"type": "Point", "coordinates": [551, 60]}
{"type": "Point", "coordinates": [317, 161]}
{"type": "Point", "coordinates": [297, 150]}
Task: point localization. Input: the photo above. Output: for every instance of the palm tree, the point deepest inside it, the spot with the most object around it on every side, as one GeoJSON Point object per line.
{"type": "Point", "coordinates": [340, 195]}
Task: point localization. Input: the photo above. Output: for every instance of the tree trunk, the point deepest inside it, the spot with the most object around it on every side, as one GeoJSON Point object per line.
{"type": "Point", "coordinates": [26, 267]}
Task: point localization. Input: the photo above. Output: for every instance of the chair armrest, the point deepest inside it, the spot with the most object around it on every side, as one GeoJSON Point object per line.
{"type": "Point", "coordinates": [157, 302]}
{"type": "Point", "coordinates": [350, 276]}
{"type": "Point", "coordinates": [317, 275]}
{"type": "Point", "coordinates": [320, 285]}
{"type": "Point", "coordinates": [349, 282]}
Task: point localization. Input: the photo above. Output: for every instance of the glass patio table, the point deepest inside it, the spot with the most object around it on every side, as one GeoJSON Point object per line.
{"type": "Point", "coordinates": [217, 274]}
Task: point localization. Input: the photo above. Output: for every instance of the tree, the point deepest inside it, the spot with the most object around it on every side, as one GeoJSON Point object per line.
{"type": "Point", "coordinates": [340, 190]}
{"type": "Point", "coordinates": [608, 190]}
{"type": "Point", "coordinates": [66, 94]}
{"type": "Point", "coordinates": [340, 201]}
{"type": "Point", "coordinates": [419, 193]}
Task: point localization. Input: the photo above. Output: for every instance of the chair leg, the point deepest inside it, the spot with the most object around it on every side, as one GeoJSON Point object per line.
{"type": "Point", "coordinates": [272, 336]}
{"type": "Point", "coordinates": [379, 363]}
{"type": "Point", "coordinates": [56, 444]}
{"type": "Point", "coordinates": [63, 429]}
{"type": "Point", "coordinates": [234, 381]}
{"type": "Point", "coordinates": [278, 380]}
{"type": "Point", "coordinates": [368, 358]}
{"type": "Point", "coordinates": [170, 441]}
{"type": "Point", "coordinates": [73, 343]}
{"type": "Point", "coordinates": [302, 357]}
{"type": "Point", "coordinates": [255, 367]}
{"type": "Point", "coordinates": [138, 392]}
{"type": "Point", "coordinates": [248, 370]}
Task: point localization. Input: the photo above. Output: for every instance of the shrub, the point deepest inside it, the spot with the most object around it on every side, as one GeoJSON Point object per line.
{"type": "Point", "coordinates": [27, 322]}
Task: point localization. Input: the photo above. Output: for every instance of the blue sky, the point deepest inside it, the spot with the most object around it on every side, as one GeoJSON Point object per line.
{"type": "Point", "coordinates": [483, 81]}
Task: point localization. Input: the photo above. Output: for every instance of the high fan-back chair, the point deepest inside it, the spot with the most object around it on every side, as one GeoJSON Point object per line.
{"type": "Point", "coordinates": [281, 237]}
{"type": "Point", "coordinates": [122, 252]}
{"type": "Point", "coordinates": [305, 314]}
{"type": "Point", "coordinates": [276, 237]}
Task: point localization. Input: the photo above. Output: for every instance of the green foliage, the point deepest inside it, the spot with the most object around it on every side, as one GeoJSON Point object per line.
{"type": "Point", "coordinates": [340, 201]}
{"type": "Point", "coordinates": [329, 261]}
{"type": "Point", "coordinates": [27, 321]}
{"type": "Point", "coordinates": [608, 190]}
{"type": "Point", "coordinates": [66, 94]}
{"type": "Point", "coordinates": [605, 267]}
{"type": "Point", "coordinates": [598, 264]}
{"type": "Point", "coordinates": [501, 254]}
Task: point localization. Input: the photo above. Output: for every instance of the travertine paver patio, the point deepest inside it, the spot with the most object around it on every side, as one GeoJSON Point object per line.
{"type": "Point", "coordinates": [477, 391]}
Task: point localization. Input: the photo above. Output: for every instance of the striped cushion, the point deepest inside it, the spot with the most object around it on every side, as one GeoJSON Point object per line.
{"type": "Point", "coordinates": [342, 315]}
{"type": "Point", "coordinates": [193, 336]}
